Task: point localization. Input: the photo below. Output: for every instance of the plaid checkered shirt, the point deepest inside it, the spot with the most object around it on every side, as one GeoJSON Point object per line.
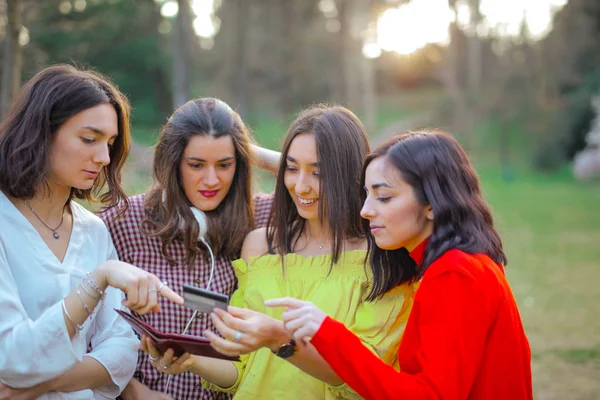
{"type": "Point", "coordinates": [145, 252]}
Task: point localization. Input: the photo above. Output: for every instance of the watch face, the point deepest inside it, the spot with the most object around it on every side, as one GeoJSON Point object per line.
{"type": "Point", "coordinates": [286, 351]}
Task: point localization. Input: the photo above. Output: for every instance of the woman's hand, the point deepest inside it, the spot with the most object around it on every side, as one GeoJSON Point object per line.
{"type": "Point", "coordinates": [245, 331]}
{"type": "Point", "coordinates": [142, 288]}
{"type": "Point", "coordinates": [138, 391]}
{"type": "Point", "coordinates": [301, 319]}
{"type": "Point", "coordinates": [166, 363]}
{"type": "Point", "coordinates": [9, 393]}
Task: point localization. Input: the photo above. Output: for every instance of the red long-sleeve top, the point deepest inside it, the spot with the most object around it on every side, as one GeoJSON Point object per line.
{"type": "Point", "coordinates": [464, 339]}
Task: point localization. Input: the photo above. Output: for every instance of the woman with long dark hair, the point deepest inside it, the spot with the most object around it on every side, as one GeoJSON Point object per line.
{"type": "Point", "coordinates": [65, 138]}
{"type": "Point", "coordinates": [203, 159]}
{"type": "Point", "coordinates": [313, 249]}
{"type": "Point", "coordinates": [425, 219]}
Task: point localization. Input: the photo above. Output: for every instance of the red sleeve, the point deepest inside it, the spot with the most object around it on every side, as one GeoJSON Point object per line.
{"type": "Point", "coordinates": [451, 329]}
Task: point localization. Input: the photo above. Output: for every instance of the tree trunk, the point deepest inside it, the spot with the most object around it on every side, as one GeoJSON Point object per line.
{"type": "Point", "coordinates": [448, 73]}
{"type": "Point", "coordinates": [181, 54]}
{"type": "Point", "coordinates": [289, 46]}
{"type": "Point", "coordinates": [159, 73]}
{"type": "Point", "coordinates": [369, 95]}
{"type": "Point", "coordinates": [340, 74]}
{"type": "Point", "coordinates": [12, 63]}
{"type": "Point", "coordinates": [368, 87]}
{"type": "Point", "coordinates": [241, 58]}
{"type": "Point", "coordinates": [474, 51]}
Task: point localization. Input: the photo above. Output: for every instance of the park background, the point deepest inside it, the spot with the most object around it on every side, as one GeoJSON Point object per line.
{"type": "Point", "coordinates": [513, 80]}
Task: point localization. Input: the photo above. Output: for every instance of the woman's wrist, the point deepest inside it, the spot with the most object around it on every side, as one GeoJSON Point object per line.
{"type": "Point", "coordinates": [133, 390]}
{"type": "Point", "coordinates": [279, 336]}
{"type": "Point", "coordinates": [100, 275]}
{"type": "Point", "coordinates": [196, 367]}
{"type": "Point", "coordinates": [53, 385]}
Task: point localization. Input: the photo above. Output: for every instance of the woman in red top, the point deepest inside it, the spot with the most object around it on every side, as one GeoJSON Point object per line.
{"type": "Point", "coordinates": [426, 219]}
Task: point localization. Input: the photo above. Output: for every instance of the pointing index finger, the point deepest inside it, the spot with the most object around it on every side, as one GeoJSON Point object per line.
{"type": "Point", "coordinates": [168, 293]}
{"type": "Point", "coordinates": [288, 302]}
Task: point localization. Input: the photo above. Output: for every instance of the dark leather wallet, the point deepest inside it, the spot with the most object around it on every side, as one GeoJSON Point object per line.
{"type": "Point", "coordinates": [196, 345]}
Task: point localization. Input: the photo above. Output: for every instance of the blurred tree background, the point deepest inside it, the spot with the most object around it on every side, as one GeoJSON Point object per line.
{"type": "Point", "coordinates": [529, 72]}
{"type": "Point", "coordinates": [513, 80]}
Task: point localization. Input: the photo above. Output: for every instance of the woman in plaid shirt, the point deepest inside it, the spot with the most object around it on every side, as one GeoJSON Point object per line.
{"type": "Point", "coordinates": [203, 159]}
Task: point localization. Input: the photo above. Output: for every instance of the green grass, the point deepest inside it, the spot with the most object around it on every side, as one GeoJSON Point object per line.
{"type": "Point", "coordinates": [387, 115]}
{"type": "Point", "coordinates": [579, 356]}
{"type": "Point", "coordinates": [550, 226]}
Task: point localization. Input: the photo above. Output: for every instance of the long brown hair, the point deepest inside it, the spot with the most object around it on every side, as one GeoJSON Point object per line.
{"type": "Point", "coordinates": [439, 172]}
{"type": "Point", "coordinates": [342, 146]}
{"type": "Point", "coordinates": [43, 104]}
{"type": "Point", "coordinates": [167, 213]}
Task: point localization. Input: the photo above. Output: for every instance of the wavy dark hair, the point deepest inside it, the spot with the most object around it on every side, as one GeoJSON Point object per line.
{"type": "Point", "coordinates": [172, 218]}
{"type": "Point", "coordinates": [342, 145]}
{"type": "Point", "coordinates": [438, 170]}
{"type": "Point", "coordinates": [43, 104]}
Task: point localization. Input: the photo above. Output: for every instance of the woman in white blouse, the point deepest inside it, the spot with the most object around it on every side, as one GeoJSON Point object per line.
{"type": "Point", "coordinates": [66, 136]}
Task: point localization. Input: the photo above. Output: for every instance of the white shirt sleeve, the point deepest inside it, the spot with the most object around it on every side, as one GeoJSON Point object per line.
{"type": "Point", "coordinates": [31, 351]}
{"type": "Point", "coordinates": [114, 344]}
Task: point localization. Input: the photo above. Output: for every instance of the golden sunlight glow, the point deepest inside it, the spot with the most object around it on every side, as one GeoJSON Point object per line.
{"type": "Point", "coordinates": [371, 50]}
{"type": "Point", "coordinates": [169, 9]}
{"type": "Point", "coordinates": [203, 26]}
{"type": "Point", "coordinates": [411, 26]}
{"type": "Point", "coordinates": [203, 7]}
{"type": "Point", "coordinates": [508, 16]}
{"type": "Point", "coordinates": [206, 24]}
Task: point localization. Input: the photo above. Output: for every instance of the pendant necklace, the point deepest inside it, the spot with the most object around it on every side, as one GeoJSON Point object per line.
{"type": "Point", "coordinates": [54, 233]}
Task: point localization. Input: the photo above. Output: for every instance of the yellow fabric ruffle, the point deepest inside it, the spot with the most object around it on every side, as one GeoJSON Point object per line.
{"type": "Point", "coordinates": [340, 291]}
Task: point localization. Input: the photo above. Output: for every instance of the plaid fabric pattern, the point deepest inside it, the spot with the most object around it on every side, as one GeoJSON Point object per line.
{"type": "Point", "coordinates": [145, 252]}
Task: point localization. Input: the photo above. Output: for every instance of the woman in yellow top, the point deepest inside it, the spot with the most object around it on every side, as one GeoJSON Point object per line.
{"type": "Point", "coordinates": [313, 249]}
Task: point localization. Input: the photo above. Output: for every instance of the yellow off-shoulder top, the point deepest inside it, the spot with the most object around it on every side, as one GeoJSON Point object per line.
{"type": "Point", "coordinates": [340, 293]}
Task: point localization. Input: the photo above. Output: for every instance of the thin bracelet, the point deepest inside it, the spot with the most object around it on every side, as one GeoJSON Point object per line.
{"type": "Point", "coordinates": [93, 284]}
{"type": "Point", "coordinates": [78, 328]}
{"type": "Point", "coordinates": [87, 308]}
{"type": "Point", "coordinates": [87, 291]}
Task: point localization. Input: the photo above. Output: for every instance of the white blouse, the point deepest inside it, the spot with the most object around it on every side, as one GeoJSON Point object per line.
{"type": "Point", "coordinates": [34, 342]}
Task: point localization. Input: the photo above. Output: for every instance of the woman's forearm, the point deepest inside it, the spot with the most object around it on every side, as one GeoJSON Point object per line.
{"type": "Point", "coordinates": [310, 361]}
{"type": "Point", "coordinates": [88, 374]}
{"type": "Point", "coordinates": [266, 159]}
{"type": "Point", "coordinates": [219, 372]}
{"type": "Point", "coordinates": [306, 358]}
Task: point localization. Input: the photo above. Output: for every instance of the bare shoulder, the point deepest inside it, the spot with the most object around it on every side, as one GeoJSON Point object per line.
{"type": "Point", "coordinates": [255, 244]}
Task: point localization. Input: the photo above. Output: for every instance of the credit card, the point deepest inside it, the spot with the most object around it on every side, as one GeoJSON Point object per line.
{"type": "Point", "coordinates": [203, 300]}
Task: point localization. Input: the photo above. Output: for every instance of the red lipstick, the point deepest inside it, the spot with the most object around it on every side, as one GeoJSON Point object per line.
{"type": "Point", "coordinates": [209, 193]}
